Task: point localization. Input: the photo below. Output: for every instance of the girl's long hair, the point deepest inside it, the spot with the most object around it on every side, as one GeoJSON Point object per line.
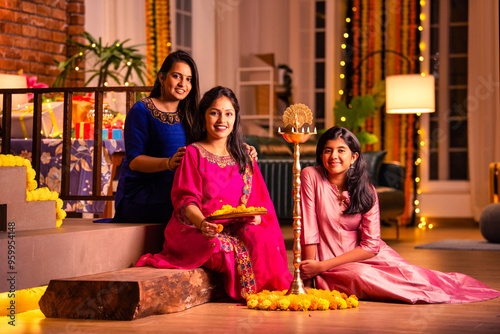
{"type": "Point", "coordinates": [235, 139]}
{"type": "Point", "coordinates": [189, 106]}
{"type": "Point", "coordinates": [359, 186]}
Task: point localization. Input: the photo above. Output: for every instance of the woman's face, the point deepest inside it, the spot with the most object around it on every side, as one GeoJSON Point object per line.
{"type": "Point", "coordinates": [176, 84]}
{"type": "Point", "coordinates": [337, 157]}
{"type": "Point", "coordinates": [220, 118]}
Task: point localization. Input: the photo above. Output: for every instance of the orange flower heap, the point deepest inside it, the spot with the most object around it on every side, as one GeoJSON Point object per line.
{"type": "Point", "coordinates": [313, 300]}
{"type": "Point", "coordinates": [228, 209]}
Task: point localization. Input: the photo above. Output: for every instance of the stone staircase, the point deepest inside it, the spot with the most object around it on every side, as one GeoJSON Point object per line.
{"type": "Point", "coordinates": [82, 260]}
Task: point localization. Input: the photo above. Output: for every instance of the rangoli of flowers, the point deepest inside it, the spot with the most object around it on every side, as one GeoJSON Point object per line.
{"type": "Point", "coordinates": [314, 299]}
{"type": "Point", "coordinates": [32, 192]}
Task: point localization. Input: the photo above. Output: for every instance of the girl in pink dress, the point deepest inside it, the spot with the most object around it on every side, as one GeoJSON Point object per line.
{"type": "Point", "coordinates": [216, 170]}
{"type": "Point", "coordinates": [341, 241]}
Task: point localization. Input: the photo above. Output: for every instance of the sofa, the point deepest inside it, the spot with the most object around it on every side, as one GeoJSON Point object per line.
{"type": "Point", "coordinates": [276, 164]}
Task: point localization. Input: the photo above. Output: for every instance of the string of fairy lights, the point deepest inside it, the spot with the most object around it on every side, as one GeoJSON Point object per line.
{"type": "Point", "coordinates": [420, 132]}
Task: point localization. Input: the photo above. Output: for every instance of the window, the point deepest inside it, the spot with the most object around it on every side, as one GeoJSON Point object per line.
{"type": "Point", "coordinates": [448, 125]}
{"type": "Point", "coordinates": [183, 15]}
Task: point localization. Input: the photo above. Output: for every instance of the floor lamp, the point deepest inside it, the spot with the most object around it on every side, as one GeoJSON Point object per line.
{"type": "Point", "coordinates": [411, 94]}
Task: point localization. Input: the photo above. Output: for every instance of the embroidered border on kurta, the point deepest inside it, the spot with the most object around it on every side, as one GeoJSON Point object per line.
{"type": "Point", "coordinates": [231, 243]}
{"type": "Point", "coordinates": [164, 117]}
{"type": "Point", "coordinates": [221, 161]}
{"type": "Point", "coordinates": [247, 187]}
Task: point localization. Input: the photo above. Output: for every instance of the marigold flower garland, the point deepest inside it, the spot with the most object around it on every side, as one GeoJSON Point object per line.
{"type": "Point", "coordinates": [313, 300]}
{"type": "Point", "coordinates": [32, 192]}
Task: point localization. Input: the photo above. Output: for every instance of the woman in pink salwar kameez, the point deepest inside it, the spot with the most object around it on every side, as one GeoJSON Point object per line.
{"type": "Point", "coordinates": [342, 249]}
{"type": "Point", "coordinates": [215, 171]}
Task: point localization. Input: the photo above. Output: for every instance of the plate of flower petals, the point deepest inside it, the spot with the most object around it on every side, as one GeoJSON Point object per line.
{"type": "Point", "coordinates": [229, 212]}
{"type": "Point", "coordinates": [236, 215]}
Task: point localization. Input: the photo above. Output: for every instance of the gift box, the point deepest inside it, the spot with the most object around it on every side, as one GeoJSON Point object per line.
{"type": "Point", "coordinates": [52, 120]}
{"type": "Point", "coordinates": [84, 130]}
{"type": "Point", "coordinates": [112, 134]}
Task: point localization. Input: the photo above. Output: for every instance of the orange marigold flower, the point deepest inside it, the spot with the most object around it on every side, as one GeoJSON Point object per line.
{"type": "Point", "coordinates": [219, 229]}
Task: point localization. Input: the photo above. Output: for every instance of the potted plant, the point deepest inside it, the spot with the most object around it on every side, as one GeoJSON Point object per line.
{"type": "Point", "coordinates": [109, 62]}
{"type": "Point", "coordinates": [352, 116]}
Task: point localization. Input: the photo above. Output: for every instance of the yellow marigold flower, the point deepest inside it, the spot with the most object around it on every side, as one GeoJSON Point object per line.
{"type": "Point", "coordinates": [60, 214]}
{"type": "Point", "coordinates": [283, 304]}
{"type": "Point", "coordinates": [252, 297]}
{"type": "Point", "coordinates": [354, 301]}
{"type": "Point", "coordinates": [253, 303]}
{"type": "Point", "coordinates": [32, 185]}
{"type": "Point", "coordinates": [54, 196]}
{"type": "Point", "coordinates": [341, 303]}
{"type": "Point", "coordinates": [323, 304]}
{"type": "Point", "coordinates": [265, 304]}
{"type": "Point", "coordinates": [304, 304]}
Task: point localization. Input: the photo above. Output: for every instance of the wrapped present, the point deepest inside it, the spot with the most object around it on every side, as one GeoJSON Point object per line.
{"type": "Point", "coordinates": [52, 120]}
{"type": "Point", "coordinates": [84, 130]}
{"type": "Point", "coordinates": [112, 133]}
{"type": "Point", "coordinates": [117, 133]}
{"type": "Point", "coordinates": [81, 107]}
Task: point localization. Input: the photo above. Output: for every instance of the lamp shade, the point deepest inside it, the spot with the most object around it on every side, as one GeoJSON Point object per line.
{"type": "Point", "coordinates": [13, 81]}
{"type": "Point", "coordinates": [409, 94]}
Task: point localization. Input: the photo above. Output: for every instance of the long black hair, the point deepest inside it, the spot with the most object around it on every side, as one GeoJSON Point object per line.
{"type": "Point", "coordinates": [357, 180]}
{"type": "Point", "coordinates": [235, 139]}
{"type": "Point", "coordinates": [189, 106]}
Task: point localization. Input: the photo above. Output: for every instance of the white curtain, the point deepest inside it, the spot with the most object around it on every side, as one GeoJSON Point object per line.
{"type": "Point", "coordinates": [483, 98]}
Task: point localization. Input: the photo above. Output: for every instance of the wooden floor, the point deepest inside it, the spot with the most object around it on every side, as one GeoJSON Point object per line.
{"type": "Point", "coordinates": [370, 317]}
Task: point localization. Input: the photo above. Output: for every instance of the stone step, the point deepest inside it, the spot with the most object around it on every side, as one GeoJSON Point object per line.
{"type": "Point", "coordinates": [130, 293]}
{"type": "Point", "coordinates": [16, 211]}
{"type": "Point", "coordinates": [79, 247]}
{"type": "Point", "coordinates": [12, 184]}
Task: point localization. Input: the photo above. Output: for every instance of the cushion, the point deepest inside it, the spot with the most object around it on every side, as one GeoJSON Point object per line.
{"type": "Point", "coordinates": [373, 163]}
{"type": "Point", "coordinates": [488, 222]}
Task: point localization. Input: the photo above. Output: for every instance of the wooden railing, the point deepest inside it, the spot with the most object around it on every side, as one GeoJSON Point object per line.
{"type": "Point", "coordinates": [68, 94]}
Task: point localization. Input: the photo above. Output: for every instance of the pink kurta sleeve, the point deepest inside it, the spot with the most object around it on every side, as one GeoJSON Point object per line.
{"type": "Point", "coordinates": [187, 186]}
{"type": "Point", "coordinates": [370, 229]}
{"type": "Point", "coordinates": [310, 231]}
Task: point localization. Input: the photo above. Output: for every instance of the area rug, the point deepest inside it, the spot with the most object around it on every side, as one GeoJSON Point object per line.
{"type": "Point", "coordinates": [461, 244]}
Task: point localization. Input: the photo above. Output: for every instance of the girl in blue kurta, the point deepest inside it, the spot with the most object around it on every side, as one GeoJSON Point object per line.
{"type": "Point", "coordinates": [156, 129]}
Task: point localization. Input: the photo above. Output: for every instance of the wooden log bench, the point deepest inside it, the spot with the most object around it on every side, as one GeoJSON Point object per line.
{"type": "Point", "coordinates": [130, 293]}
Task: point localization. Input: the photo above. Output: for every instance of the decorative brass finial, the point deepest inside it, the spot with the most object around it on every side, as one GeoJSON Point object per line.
{"type": "Point", "coordinates": [297, 115]}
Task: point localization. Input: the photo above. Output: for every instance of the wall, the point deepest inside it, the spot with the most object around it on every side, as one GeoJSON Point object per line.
{"type": "Point", "coordinates": [32, 35]}
{"type": "Point", "coordinates": [113, 20]}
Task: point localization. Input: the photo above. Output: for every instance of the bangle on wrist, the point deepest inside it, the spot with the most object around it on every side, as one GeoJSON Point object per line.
{"type": "Point", "coordinates": [168, 164]}
{"type": "Point", "coordinates": [201, 223]}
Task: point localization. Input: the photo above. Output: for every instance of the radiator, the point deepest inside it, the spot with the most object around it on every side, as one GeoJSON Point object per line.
{"type": "Point", "coordinates": [278, 175]}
